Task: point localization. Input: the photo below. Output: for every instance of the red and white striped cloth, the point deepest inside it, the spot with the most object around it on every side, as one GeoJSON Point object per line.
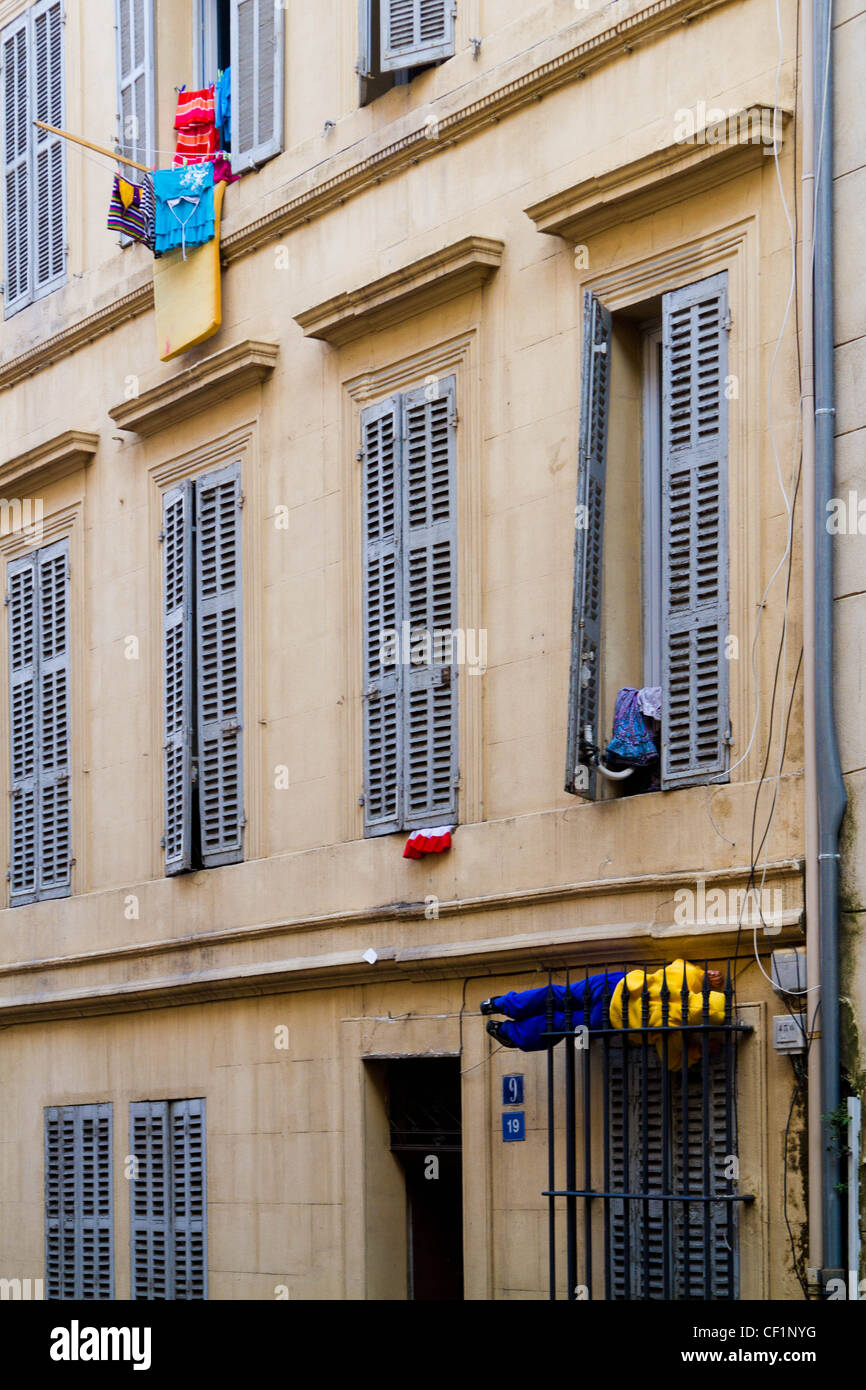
{"type": "Point", "coordinates": [195, 108]}
{"type": "Point", "coordinates": [428, 841]}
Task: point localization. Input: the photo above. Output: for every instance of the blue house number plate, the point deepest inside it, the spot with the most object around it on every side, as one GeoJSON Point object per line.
{"type": "Point", "coordinates": [514, 1126]}
{"type": "Point", "coordinates": [512, 1090]}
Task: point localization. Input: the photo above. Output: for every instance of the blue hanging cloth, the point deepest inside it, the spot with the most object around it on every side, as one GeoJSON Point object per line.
{"type": "Point", "coordinates": [223, 107]}
{"type": "Point", "coordinates": [184, 207]}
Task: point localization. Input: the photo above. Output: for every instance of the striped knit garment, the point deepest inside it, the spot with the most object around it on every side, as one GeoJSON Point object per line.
{"type": "Point", "coordinates": [131, 210]}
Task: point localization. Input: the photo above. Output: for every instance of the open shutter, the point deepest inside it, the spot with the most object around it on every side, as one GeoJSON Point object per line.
{"type": "Point", "coordinates": [188, 1199]}
{"type": "Point", "coordinates": [430, 767]}
{"type": "Point", "coordinates": [49, 160]}
{"type": "Point", "coordinates": [383, 612]}
{"type": "Point", "coordinates": [79, 1257]}
{"type": "Point", "coordinates": [585, 675]}
{"type": "Point", "coordinates": [53, 824]}
{"type": "Point", "coordinates": [694, 532]}
{"type": "Point", "coordinates": [257, 49]}
{"type": "Point", "coordinates": [150, 1200]}
{"type": "Point", "coordinates": [135, 78]}
{"type": "Point", "coordinates": [364, 65]}
{"type": "Point", "coordinates": [23, 706]}
{"type": "Point", "coordinates": [177, 531]}
{"type": "Point", "coordinates": [415, 32]}
{"type": "Point", "coordinates": [218, 666]}
{"type": "Point", "coordinates": [17, 209]}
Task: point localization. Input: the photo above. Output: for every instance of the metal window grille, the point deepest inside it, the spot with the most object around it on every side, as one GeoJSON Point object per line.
{"type": "Point", "coordinates": [649, 1117]}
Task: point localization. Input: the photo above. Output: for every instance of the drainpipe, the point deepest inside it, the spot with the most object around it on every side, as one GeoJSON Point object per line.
{"type": "Point", "coordinates": [830, 786]}
{"type": "Point", "coordinates": [810, 510]}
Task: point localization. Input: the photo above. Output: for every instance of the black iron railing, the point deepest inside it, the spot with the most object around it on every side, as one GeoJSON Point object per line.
{"type": "Point", "coordinates": [655, 1120]}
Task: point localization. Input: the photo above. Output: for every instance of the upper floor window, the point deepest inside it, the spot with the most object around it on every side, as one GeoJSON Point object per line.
{"type": "Point", "coordinates": [203, 767]}
{"type": "Point", "coordinates": [654, 435]}
{"type": "Point", "coordinates": [246, 36]}
{"type": "Point", "coordinates": [38, 605]}
{"type": "Point", "coordinates": [34, 161]}
{"type": "Point", "coordinates": [397, 37]}
{"type": "Point", "coordinates": [136, 100]}
{"type": "Point", "coordinates": [410, 609]}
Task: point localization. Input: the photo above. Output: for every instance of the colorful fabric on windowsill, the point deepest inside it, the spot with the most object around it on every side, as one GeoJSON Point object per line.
{"type": "Point", "coordinates": [428, 841]}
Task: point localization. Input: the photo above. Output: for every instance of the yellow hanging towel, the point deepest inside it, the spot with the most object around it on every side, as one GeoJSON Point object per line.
{"type": "Point", "coordinates": [695, 981]}
{"type": "Point", "coordinates": [187, 293]}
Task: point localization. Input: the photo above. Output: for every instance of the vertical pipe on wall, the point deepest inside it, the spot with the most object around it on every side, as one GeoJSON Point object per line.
{"type": "Point", "coordinates": [830, 785]}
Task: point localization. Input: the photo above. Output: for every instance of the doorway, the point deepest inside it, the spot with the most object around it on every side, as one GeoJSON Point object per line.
{"type": "Point", "coordinates": [423, 1136]}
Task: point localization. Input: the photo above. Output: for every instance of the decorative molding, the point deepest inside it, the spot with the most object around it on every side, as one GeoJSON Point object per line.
{"type": "Point", "coordinates": [68, 340]}
{"type": "Point", "coordinates": [192, 391]}
{"type": "Point", "coordinates": [46, 463]}
{"type": "Point", "coordinates": [665, 176]}
{"type": "Point", "coordinates": [457, 269]}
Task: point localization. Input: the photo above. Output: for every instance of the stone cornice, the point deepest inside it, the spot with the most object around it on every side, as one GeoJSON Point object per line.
{"type": "Point", "coordinates": [68, 340]}
{"type": "Point", "coordinates": [189, 392]}
{"type": "Point", "coordinates": [47, 462]}
{"type": "Point", "coordinates": [432, 280]}
{"type": "Point", "coordinates": [661, 177]}
{"type": "Point", "coordinates": [159, 983]}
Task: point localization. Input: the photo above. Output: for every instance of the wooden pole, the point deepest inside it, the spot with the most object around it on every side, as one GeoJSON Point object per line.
{"type": "Point", "coordinates": [89, 145]}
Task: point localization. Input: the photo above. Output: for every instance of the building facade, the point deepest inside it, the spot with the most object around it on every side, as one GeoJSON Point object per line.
{"type": "Point", "coordinates": [483, 260]}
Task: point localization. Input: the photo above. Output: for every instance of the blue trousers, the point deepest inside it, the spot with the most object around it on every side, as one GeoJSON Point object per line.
{"type": "Point", "coordinates": [528, 1010]}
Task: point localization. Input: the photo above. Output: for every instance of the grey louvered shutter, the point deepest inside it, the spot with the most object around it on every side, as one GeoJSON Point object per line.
{"type": "Point", "coordinates": [258, 61]}
{"type": "Point", "coordinates": [189, 1199]}
{"type": "Point", "coordinates": [79, 1254]}
{"type": "Point", "coordinates": [133, 21]}
{"type": "Point", "coordinates": [364, 65]}
{"type": "Point", "coordinates": [702, 1162]}
{"type": "Point", "coordinates": [17, 204]}
{"type": "Point", "coordinates": [177, 582]}
{"type": "Point", "coordinates": [415, 32]}
{"type": "Point", "coordinates": [430, 767]}
{"type": "Point", "coordinates": [219, 668]}
{"type": "Point", "coordinates": [53, 820]}
{"type": "Point", "coordinates": [49, 156]}
{"type": "Point", "coordinates": [585, 674]}
{"type": "Point", "coordinates": [636, 1128]}
{"type": "Point", "coordinates": [383, 612]}
{"type": "Point", "coordinates": [694, 532]}
{"type": "Point", "coordinates": [150, 1200]}
{"type": "Point", "coordinates": [23, 706]}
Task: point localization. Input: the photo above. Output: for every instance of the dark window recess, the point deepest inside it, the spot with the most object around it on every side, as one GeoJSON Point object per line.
{"type": "Point", "coordinates": [223, 34]}
{"type": "Point", "coordinates": [426, 1136]}
{"type": "Point", "coordinates": [651, 1195]}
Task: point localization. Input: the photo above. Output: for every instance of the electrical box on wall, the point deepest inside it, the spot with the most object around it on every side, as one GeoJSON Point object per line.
{"type": "Point", "coordinates": [789, 1033]}
{"type": "Point", "coordinates": [789, 970]}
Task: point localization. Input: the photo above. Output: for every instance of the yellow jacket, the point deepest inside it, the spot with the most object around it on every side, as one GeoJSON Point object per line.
{"type": "Point", "coordinates": [674, 972]}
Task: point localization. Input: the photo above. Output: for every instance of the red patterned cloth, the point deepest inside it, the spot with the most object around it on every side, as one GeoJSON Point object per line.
{"type": "Point", "coordinates": [195, 146]}
{"type": "Point", "coordinates": [195, 108]}
{"type": "Point", "coordinates": [432, 841]}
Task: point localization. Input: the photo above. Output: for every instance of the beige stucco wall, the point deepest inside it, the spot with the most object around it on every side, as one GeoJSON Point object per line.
{"type": "Point", "coordinates": [534, 875]}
